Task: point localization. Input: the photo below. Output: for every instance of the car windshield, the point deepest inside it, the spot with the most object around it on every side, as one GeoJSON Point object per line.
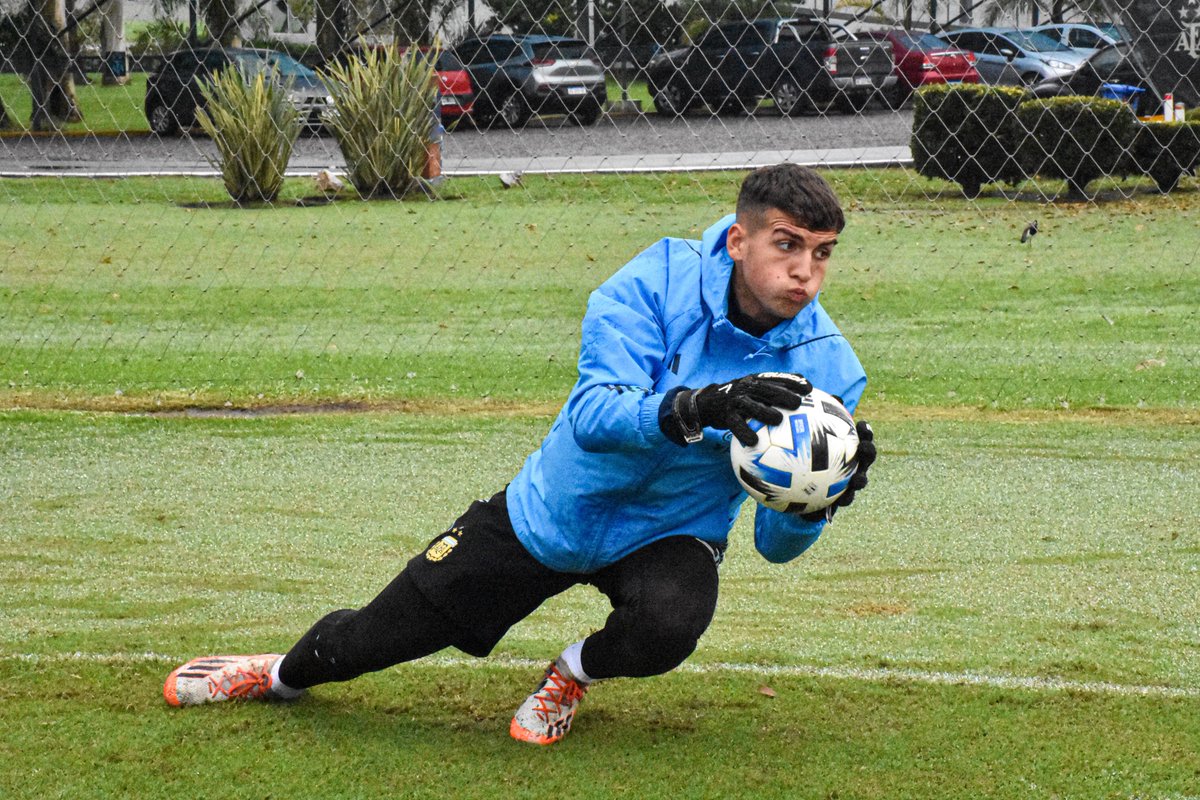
{"type": "Point", "coordinates": [447, 61]}
{"type": "Point", "coordinates": [1038, 42]}
{"type": "Point", "coordinates": [267, 62]}
{"type": "Point", "coordinates": [1115, 32]}
{"type": "Point", "coordinates": [569, 48]}
{"type": "Point", "coordinates": [1106, 61]}
{"type": "Point", "coordinates": [924, 42]}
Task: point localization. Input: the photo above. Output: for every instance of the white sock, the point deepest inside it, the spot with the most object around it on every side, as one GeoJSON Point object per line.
{"type": "Point", "coordinates": [572, 659]}
{"type": "Point", "coordinates": [279, 688]}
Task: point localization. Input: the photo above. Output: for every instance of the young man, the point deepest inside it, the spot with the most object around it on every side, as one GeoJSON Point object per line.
{"type": "Point", "coordinates": [631, 491]}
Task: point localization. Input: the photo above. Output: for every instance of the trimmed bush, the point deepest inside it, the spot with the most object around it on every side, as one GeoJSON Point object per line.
{"type": "Point", "coordinates": [1166, 150]}
{"type": "Point", "coordinates": [383, 118]}
{"type": "Point", "coordinates": [1078, 139]}
{"type": "Point", "coordinates": [254, 125]}
{"type": "Point", "coordinates": [968, 133]}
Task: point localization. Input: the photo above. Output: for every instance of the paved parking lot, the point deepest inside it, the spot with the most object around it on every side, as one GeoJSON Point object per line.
{"type": "Point", "coordinates": [629, 142]}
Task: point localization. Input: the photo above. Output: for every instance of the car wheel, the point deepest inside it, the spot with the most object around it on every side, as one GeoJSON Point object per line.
{"type": "Point", "coordinates": [788, 97]}
{"type": "Point", "coordinates": [513, 111]}
{"type": "Point", "coordinates": [671, 101]}
{"type": "Point", "coordinates": [1031, 79]}
{"type": "Point", "coordinates": [162, 121]}
{"type": "Point", "coordinates": [586, 114]}
{"type": "Point", "coordinates": [898, 95]}
{"type": "Point", "coordinates": [853, 103]}
{"type": "Point", "coordinates": [737, 106]}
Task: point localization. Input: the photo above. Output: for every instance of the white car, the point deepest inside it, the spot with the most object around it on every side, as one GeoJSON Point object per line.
{"type": "Point", "coordinates": [1086, 39]}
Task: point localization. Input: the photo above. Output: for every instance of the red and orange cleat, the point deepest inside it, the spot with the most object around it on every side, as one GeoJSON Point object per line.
{"type": "Point", "coordinates": [215, 678]}
{"type": "Point", "coordinates": [546, 715]}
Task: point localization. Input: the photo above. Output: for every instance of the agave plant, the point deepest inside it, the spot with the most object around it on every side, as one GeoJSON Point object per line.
{"type": "Point", "coordinates": [254, 126]}
{"type": "Point", "coordinates": [383, 118]}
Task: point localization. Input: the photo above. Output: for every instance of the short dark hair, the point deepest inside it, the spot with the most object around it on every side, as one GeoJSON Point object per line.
{"type": "Point", "coordinates": [797, 191]}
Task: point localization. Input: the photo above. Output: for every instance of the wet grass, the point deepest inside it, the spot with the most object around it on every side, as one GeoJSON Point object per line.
{"type": "Point", "coordinates": [111, 289]}
{"type": "Point", "coordinates": [133, 542]}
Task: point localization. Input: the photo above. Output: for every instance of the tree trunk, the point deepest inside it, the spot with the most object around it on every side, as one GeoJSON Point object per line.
{"type": "Point", "coordinates": [908, 15]}
{"type": "Point", "coordinates": [114, 72]}
{"type": "Point", "coordinates": [220, 16]}
{"type": "Point", "coordinates": [1058, 11]}
{"type": "Point", "coordinates": [413, 21]}
{"type": "Point", "coordinates": [50, 84]}
{"type": "Point", "coordinates": [331, 27]}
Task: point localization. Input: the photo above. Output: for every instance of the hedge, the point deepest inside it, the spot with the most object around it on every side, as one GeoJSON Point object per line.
{"type": "Point", "coordinates": [1166, 150]}
{"type": "Point", "coordinates": [966, 133]}
{"type": "Point", "coordinates": [974, 134]}
{"type": "Point", "coordinates": [1078, 139]}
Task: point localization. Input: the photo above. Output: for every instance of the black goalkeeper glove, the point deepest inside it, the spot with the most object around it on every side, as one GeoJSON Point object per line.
{"type": "Point", "coordinates": [865, 457]}
{"type": "Point", "coordinates": [684, 416]}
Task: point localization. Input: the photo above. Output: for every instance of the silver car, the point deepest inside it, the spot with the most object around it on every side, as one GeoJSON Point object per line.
{"type": "Point", "coordinates": [1008, 56]}
{"type": "Point", "coordinates": [1085, 38]}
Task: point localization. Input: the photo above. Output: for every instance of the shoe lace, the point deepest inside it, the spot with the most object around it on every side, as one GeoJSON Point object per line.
{"type": "Point", "coordinates": [243, 683]}
{"type": "Point", "coordinates": [557, 691]}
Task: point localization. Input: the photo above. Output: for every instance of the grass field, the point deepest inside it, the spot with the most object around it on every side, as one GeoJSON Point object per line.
{"type": "Point", "coordinates": [104, 108]}
{"type": "Point", "coordinates": [1010, 610]}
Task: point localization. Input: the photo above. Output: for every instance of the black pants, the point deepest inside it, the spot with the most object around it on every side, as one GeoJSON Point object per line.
{"type": "Point", "coordinates": [475, 581]}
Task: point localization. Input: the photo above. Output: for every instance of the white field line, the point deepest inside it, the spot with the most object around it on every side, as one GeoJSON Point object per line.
{"type": "Point", "coordinates": [879, 675]}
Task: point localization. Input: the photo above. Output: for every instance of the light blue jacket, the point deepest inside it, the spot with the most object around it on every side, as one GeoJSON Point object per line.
{"type": "Point", "coordinates": [606, 481]}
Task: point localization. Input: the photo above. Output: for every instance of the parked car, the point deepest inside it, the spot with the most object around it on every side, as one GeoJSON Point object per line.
{"type": "Point", "coordinates": [455, 91]}
{"type": "Point", "coordinates": [1112, 65]}
{"type": "Point", "coordinates": [519, 76]}
{"type": "Point", "coordinates": [456, 94]}
{"type": "Point", "coordinates": [796, 62]}
{"type": "Point", "coordinates": [1011, 56]}
{"type": "Point", "coordinates": [173, 90]}
{"type": "Point", "coordinates": [1087, 39]}
{"type": "Point", "coordinates": [923, 59]}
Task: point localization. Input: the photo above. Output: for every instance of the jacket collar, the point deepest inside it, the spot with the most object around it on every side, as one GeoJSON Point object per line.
{"type": "Point", "coordinates": [716, 271]}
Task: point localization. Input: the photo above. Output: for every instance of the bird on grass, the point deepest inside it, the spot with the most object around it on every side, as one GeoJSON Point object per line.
{"type": "Point", "coordinates": [1030, 231]}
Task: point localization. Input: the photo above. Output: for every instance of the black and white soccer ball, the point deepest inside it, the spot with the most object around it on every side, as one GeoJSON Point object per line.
{"type": "Point", "coordinates": [804, 463]}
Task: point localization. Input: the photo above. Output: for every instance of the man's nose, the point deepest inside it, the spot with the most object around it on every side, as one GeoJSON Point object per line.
{"type": "Point", "coordinates": [800, 266]}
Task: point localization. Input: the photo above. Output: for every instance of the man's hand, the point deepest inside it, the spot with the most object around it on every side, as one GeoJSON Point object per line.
{"type": "Point", "coordinates": [866, 457]}
{"type": "Point", "coordinates": [732, 405]}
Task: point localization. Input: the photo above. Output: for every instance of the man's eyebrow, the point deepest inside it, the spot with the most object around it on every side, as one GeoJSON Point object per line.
{"type": "Point", "coordinates": [800, 233]}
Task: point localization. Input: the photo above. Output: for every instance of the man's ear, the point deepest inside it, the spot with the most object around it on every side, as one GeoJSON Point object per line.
{"type": "Point", "coordinates": [735, 241]}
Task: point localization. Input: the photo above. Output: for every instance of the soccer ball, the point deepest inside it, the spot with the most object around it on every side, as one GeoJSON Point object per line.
{"type": "Point", "coordinates": [804, 463]}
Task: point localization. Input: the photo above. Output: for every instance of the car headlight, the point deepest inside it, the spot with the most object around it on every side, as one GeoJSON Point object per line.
{"type": "Point", "coordinates": [1059, 64]}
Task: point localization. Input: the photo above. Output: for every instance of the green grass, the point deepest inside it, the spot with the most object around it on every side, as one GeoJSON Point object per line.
{"type": "Point", "coordinates": [1034, 515]}
{"type": "Point", "coordinates": [128, 535]}
{"type": "Point", "coordinates": [104, 108]}
{"type": "Point", "coordinates": [634, 90]}
{"type": "Point", "coordinates": [125, 288]}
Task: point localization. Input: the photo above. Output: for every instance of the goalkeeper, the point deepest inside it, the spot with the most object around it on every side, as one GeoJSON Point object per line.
{"type": "Point", "coordinates": [631, 490]}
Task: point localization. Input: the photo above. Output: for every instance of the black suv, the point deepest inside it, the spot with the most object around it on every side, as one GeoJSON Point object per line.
{"type": "Point", "coordinates": [173, 91]}
{"type": "Point", "coordinates": [518, 76]}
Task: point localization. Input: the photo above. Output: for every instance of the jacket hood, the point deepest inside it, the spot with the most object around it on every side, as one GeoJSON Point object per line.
{"type": "Point", "coordinates": [716, 272]}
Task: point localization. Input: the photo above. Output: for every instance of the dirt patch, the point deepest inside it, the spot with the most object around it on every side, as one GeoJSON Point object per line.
{"type": "Point", "coordinates": [868, 609]}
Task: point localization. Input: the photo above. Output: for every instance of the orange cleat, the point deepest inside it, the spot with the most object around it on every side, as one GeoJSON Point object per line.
{"type": "Point", "coordinates": [547, 714]}
{"type": "Point", "coordinates": [216, 678]}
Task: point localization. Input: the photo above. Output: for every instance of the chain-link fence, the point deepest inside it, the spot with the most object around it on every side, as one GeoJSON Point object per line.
{"type": "Point", "coordinates": [983, 112]}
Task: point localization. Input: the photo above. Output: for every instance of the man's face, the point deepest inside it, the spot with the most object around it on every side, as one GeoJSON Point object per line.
{"type": "Point", "coordinates": [778, 266]}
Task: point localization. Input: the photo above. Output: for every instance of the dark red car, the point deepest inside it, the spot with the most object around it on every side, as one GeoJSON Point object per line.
{"type": "Point", "coordinates": [922, 59]}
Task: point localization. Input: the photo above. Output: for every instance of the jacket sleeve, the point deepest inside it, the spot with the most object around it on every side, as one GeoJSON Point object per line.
{"type": "Point", "coordinates": [778, 536]}
{"type": "Point", "coordinates": [623, 350]}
